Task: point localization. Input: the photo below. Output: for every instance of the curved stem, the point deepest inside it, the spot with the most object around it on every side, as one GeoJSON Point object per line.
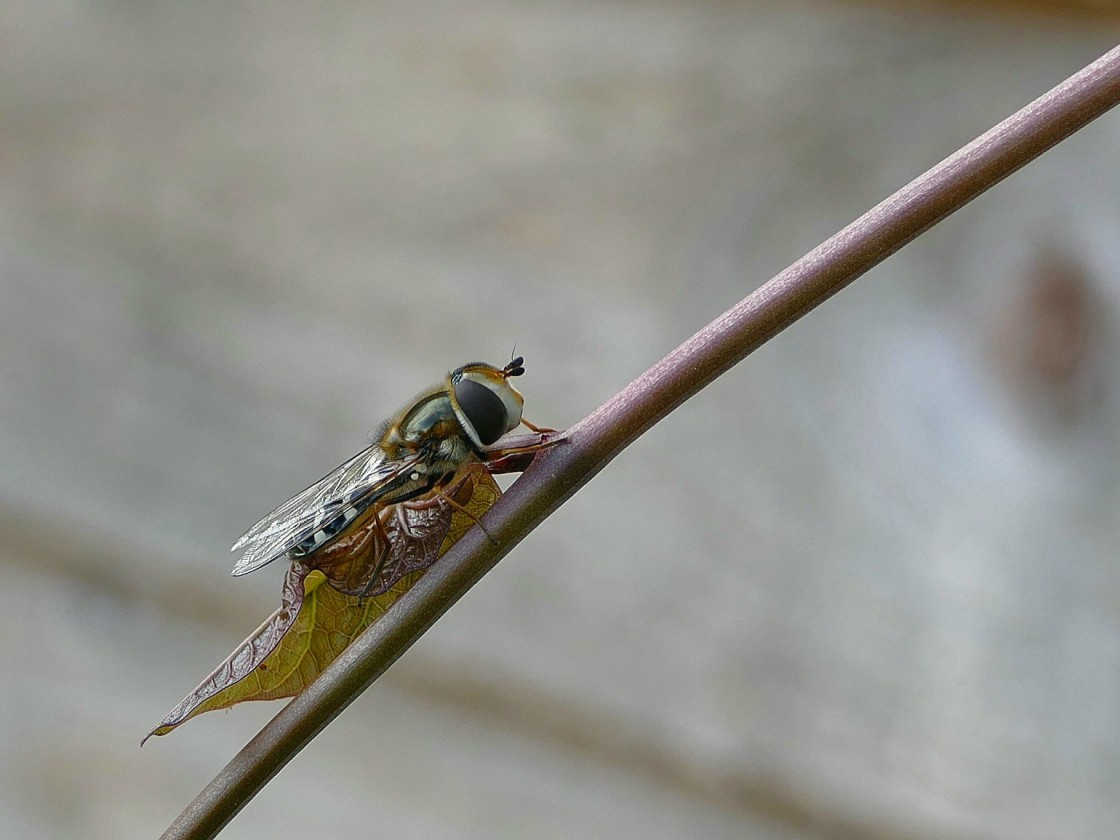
{"type": "Point", "coordinates": [560, 470]}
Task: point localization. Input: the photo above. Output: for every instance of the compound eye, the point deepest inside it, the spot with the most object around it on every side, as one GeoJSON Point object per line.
{"type": "Point", "coordinates": [483, 409]}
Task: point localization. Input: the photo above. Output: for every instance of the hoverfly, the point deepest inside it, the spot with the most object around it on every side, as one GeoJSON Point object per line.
{"type": "Point", "coordinates": [417, 451]}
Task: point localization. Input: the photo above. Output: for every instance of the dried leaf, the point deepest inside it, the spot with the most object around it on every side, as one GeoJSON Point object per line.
{"type": "Point", "coordinates": [315, 623]}
{"type": "Point", "coordinates": [416, 530]}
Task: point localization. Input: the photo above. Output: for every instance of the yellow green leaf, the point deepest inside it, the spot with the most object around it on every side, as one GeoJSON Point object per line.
{"type": "Point", "coordinates": [320, 612]}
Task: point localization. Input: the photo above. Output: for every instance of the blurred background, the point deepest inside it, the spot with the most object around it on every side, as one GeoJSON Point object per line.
{"type": "Point", "coordinates": [864, 586]}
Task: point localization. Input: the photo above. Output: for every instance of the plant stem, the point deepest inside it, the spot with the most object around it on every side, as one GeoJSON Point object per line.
{"type": "Point", "coordinates": [560, 470]}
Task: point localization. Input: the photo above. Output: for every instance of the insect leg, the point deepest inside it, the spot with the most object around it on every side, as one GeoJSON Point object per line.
{"type": "Point", "coordinates": [540, 430]}
{"type": "Point", "coordinates": [439, 492]}
{"type": "Point", "coordinates": [382, 554]}
{"type": "Point", "coordinates": [509, 459]}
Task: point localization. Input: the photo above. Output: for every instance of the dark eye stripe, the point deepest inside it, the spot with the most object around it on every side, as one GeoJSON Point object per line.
{"type": "Point", "coordinates": [484, 409]}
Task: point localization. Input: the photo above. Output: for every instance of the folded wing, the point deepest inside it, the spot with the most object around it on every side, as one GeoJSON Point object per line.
{"type": "Point", "coordinates": [326, 506]}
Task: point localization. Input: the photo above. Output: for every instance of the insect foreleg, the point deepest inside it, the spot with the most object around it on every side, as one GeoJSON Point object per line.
{"type": "Point", "coordinates": [540, 430]}
{"type": "Point", "coordinates": [516, 458]}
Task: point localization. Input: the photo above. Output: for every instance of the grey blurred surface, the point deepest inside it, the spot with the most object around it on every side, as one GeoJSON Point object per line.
{"type": "Point", "coordinates": [864, 586]}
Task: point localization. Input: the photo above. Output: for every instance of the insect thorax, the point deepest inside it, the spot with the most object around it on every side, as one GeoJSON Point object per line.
{"type": "Point", "coordinates": [430, 428]}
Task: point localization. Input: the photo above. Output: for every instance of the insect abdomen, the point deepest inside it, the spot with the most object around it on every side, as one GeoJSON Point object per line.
{"type": "Point", "coordinates": [331, 521]}
{"type": "Point", "coordinates": [335, 516]}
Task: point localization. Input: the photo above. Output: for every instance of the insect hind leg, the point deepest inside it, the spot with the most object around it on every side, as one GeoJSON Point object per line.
{"type": "Point", "coordinates": [382, 555]}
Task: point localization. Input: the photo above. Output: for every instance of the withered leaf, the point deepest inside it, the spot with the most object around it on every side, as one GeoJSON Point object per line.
{"type": "Point", "coordinates": [416, 532]}
{"type": "Point", "coordinates": [315, 623]}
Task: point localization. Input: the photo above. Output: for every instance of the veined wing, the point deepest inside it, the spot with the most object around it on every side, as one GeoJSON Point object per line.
{"type": "Point", "coordinates": [302, 515]}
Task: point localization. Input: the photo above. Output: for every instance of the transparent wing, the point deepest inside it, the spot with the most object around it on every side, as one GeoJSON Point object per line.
{"type": "Point", "coordinates": [303, 514]}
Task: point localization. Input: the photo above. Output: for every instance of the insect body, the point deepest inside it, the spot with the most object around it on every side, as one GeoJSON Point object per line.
{"type": "Point", "coordinates": [415, 452]}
